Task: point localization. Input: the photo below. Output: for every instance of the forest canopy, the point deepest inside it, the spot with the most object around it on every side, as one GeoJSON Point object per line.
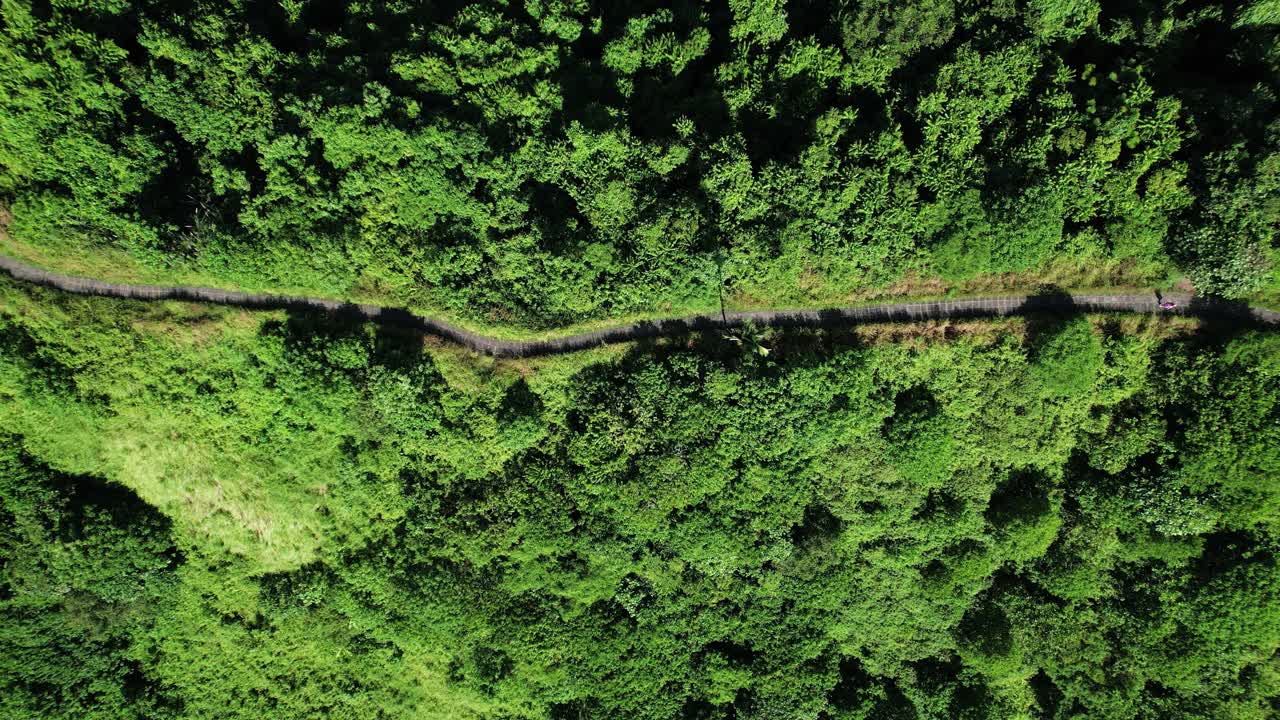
{"type": "Point", "coordinates": [209, 512]}
{"type": "Point", "coordinates": [545, 161]}
{"type": "Point", "coordinates": [206, 513]}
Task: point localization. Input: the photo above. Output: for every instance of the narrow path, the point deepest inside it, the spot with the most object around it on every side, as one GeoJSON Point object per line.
{"type": "Point", "coordinates": [834, 317]}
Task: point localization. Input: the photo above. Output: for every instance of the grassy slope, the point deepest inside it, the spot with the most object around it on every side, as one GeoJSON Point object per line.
{"type": "Point", "coordinates": [240, 426]}
{"type": "Point", "coordinates": [212, 409]}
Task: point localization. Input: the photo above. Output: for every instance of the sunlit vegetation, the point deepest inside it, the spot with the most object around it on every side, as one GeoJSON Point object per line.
{"type": "Point", "coordinates": [207, 512]}
{"type": "Point", "coordinates": [542, 163]}
{"type": "Point", "coordinates": [214, 514]}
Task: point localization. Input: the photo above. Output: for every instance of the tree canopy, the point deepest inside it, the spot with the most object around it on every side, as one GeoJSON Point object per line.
{"type": "Point", "coordinates": [213, 514]}
{"type": "Point", "coordinates": [542, 162]}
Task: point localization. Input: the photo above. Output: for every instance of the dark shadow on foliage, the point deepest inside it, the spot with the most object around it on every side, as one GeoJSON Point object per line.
{"type": "Point", "coordinates": [940, 505]}
{"type": "Point", "coordinates": [1024, 497]}
{"type": "Point", "coordinates": [696, 709]}
{"type": "Point", "coordinates": [1154, 689]}
{"type": "Point", "coordinates": [178, 199]}
{"type": "Point", "coordinates": [853, 687]}
{"type": "Point", "coordinates": [271, 21]}
{"type": "Point", "coordinates": [972, 699]}
{"type": "Point", "coordinates": [558, 216]}
{"type": "Point", "coordinates": [895, 705]}
{"type": "Point", "coordinates": [304, 587]}
{"type": "Point", "coordinates": [518, 403]}
{"type": "Point", "coordinates": [986, 628]}
{"type": "Point", "coordinates": [571, 710]}
{"type": "Point", "coordinates": [659, 101]}
{"type": "Point", "coordinates": [910, 407]}
{"type": "Point", "coordinates": [1048, 696]}
{"type": "Point", "coordinates": [782, 137]}
{"type": "Point", "coordinates": [588, 92]}
{"type": "Point", "coordinates": [933, 675]}
{"type": "Point", "coordinates": [1216, 70]}
{"type": "Point", "coordinates": [735, 653]}
{"type": "Point", "coordinates": [489, 666]}
{"type": "Point", "coordinates": [1219, 73]}
{"type": "Point", "coordinates": [1225, 321]}
{"type": "Point", "coordinates": [1226, 550]}
{"type": "Point", "coordinates": [858, 694]}
{"type": "Point", "coordinates": [819, 524]}
{"type": "Point", "coordinates": [936, 573]}
{"type": "Point", "coordinates": [87, 499]}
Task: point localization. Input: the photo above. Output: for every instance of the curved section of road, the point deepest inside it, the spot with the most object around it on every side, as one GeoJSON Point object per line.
{"type": "Point", "coordinates": [834, 317]}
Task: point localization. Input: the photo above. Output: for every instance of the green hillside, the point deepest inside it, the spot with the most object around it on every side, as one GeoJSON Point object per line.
{"type": "Point", "coordinates": [212, 513]}
{"type": "Point", "coordinates": [209, 513]}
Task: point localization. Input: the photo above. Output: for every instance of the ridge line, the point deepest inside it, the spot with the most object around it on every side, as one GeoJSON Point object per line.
{"type": "Point", "coordinates": [831, 317]}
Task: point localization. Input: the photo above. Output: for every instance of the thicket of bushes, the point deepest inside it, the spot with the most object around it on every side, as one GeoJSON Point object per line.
{"type": "Point", "coordinates": [550, 160]}
{"type": "Point", "coordinates": [207, 515]}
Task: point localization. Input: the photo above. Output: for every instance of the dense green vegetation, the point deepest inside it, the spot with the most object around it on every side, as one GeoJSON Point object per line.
{"type": "Point", "coordinates": [212, 513]}
{"type": "Point", "coordinates": [206, 513]}
{"type": "Point", "coordinates": [546, 161]}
